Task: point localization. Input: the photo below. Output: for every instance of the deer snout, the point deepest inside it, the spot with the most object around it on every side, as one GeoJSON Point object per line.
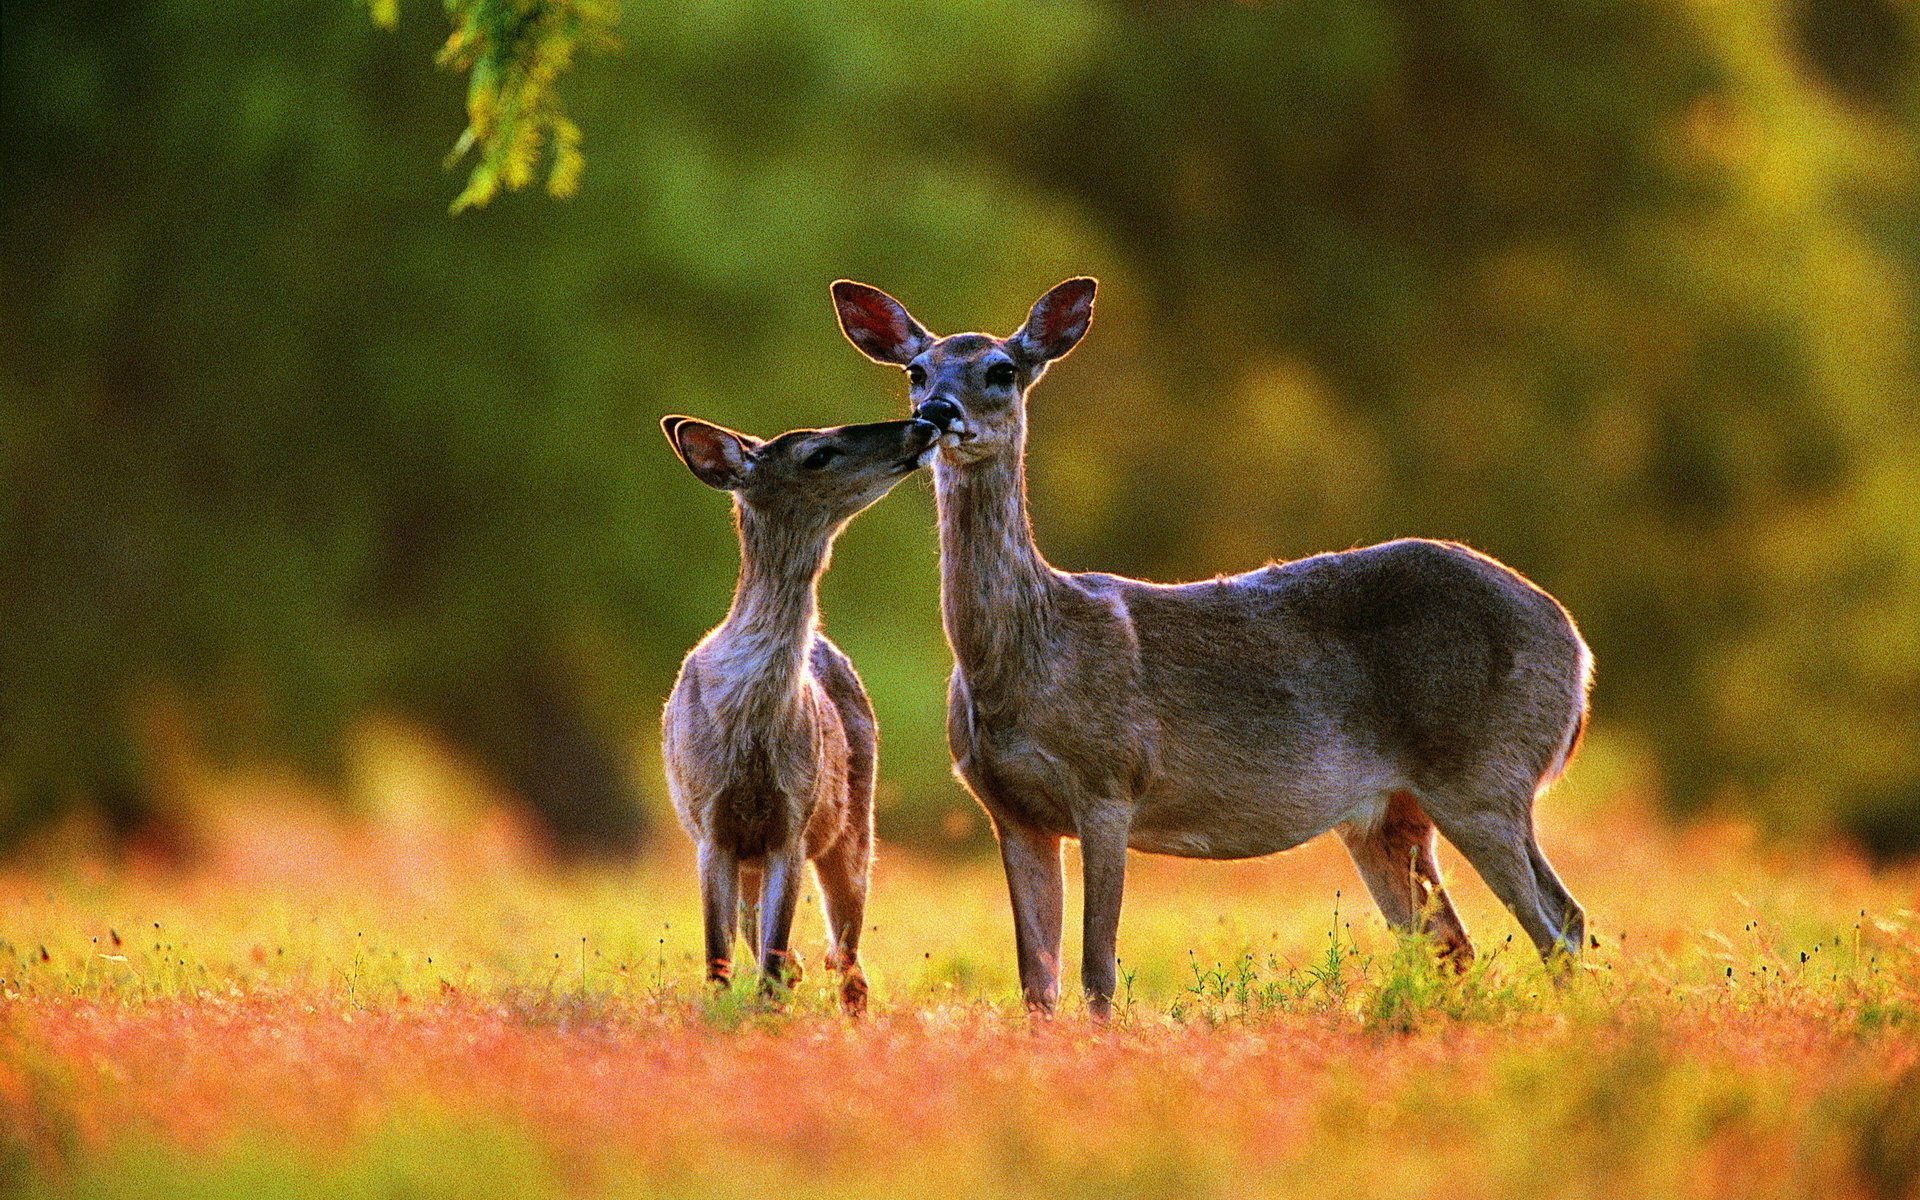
{"type": "Point", "coordinates": [922, 433]}
{"type": "Point", "coordinates": [939, 412]}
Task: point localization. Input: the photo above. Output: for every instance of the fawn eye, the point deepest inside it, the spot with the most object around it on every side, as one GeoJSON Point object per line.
{"type": "Point", "coordinates": [1000, 375]}
{"type": "Point", "coordinates": [820, 458]}
{"type": "Point", "coordinates": [916, 375]}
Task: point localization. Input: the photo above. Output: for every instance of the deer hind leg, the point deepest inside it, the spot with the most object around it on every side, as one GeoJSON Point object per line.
{"type": "Point", "coordinates": [843, 871]}
{"type": "Point", "coordinates": [1032, 861]}
{"type": "Point", "coordinates": [1395, 856]}
{"type": "Point", "coordinates": [1560, 902]}
{"type": "Point", "coordinates": [1501, 846]}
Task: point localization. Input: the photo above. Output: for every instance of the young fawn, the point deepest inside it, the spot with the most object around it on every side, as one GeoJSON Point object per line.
{"type": "Point", "coordinates": [1378, 692]}
{"type": "Point", "coordinates": [768, 737]}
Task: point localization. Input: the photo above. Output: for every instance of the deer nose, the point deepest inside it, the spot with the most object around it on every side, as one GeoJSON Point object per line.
{"type": "Point", "coordinates": [938, 411]}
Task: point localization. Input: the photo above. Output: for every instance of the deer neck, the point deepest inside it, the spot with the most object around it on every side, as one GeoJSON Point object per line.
{"type": "Point", "coordinates": [758, 655]}
{"type": "Point", "coordinates": [996, 591]}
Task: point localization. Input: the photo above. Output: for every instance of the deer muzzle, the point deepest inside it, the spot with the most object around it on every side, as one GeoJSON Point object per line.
{"type": "Point", "coordinates": [940, 412]}
{"type": "Point", "coordinates": [921, 437]}
{"type": "Point", "coordinates": [948, 417]}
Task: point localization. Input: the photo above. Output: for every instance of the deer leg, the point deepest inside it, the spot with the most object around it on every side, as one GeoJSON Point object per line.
{"type": "Point", "coordinates": [1103, 860]}
{"type": "Point", "coordinates": [750, 880]}
{"type": "Point", "coordinates": [1395, 856]}
{"type": "Point", "coordinates": [1501, 847]}
{"type": "Point", "coordinates": [843, 872]}
{"type": "Point", "coordinates": [1560, 902]}
{"type": "Point", "coordinates": [1032, 860]}
{"type": "Point", "coordinates": [779, 898]}
{"type": "Point", "coordinates": [719, 881]}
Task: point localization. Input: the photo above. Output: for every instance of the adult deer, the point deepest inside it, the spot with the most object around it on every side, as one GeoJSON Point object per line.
{"type": "Point", "coordinates": [769, 740]}
{"type": "Point", "coordinates": [1379, 692]}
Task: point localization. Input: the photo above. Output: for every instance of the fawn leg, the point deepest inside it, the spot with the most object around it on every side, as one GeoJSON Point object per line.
{"type": "Point", "coordinates": [843, 872]}
{"type": "Point", "coordinates": [719, 879]}
{"type": "Point", "coordinates": [779, 897]}
{"type": "Point", "coordinates": [1103, 862]}
{"type": "Point", "coordinates": [1032, 861]}
{"type": "Point", "coordinates": [1395, 857]}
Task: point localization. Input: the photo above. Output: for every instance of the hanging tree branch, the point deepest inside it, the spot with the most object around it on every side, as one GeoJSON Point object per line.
{"type": "Point", "coordinates": [514, 52]}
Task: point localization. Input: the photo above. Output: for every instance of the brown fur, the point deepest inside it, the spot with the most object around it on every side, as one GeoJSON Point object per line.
{"type": "Point", "coordinates": [769, 740]}
{"type": "Point", "coordinates": [1380, 692]}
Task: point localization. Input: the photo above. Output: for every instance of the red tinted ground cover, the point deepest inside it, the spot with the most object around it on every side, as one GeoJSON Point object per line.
{"type": "Point", "coordinates": [297, 1010]}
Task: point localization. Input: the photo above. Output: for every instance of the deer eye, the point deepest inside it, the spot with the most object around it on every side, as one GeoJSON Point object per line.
{"type": "Point", "coordinates": [916, 375]}
{"type": "Point", "coordinates": [820, 458]}
{"type": "Point", "coordinates": [1000, 375]}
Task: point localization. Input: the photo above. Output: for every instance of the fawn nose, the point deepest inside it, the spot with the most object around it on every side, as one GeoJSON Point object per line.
{"type": "Point", "coordinates": [938, 411]}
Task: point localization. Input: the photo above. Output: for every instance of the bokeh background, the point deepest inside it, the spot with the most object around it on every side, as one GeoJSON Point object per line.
{"type": "Point", "coordinates": [296, 466]}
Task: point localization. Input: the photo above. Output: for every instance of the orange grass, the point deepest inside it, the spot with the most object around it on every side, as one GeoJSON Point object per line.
{"type": "Point", "coordinates": [321, 1009]}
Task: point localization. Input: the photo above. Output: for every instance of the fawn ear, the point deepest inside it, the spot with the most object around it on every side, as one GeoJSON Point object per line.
{"type": "Point", "coordinates": [877, 324]}
{"type": "Point", "coordinates": [718, 457]}
{"type": "Point", "coordinates": [1057, 323]}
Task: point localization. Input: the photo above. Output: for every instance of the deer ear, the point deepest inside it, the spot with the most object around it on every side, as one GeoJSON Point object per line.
{"type": "Point", "coordinates": [1057, 323]}
{"type": "Point", "coordinates": [718, 457]}
{"type": "Point", "coordinates": [879, 326]}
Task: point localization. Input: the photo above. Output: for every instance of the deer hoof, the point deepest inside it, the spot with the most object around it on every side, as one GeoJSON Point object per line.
{"type": "Point", "coordinates": [853, 993]}
{"type": "Point", "coordinates": [783, 969]}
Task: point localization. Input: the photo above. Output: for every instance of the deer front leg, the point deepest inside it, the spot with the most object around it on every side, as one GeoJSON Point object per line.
{"type": "Point", "coordinates": [1032, 860]}
{"type": "Point", "coordinates": [843, 893]}
{"type": "Point", "coordinates": [779, 897]}
{"type": "Point", "coordinates": [1103, 861]}
{"type": "Point", "coordinates": [719, 883]}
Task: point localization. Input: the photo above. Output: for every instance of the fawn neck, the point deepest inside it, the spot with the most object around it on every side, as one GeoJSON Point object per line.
{"type": "Point", "coordinates": [768, 633]}
{"type": "Point", "coordinates": [995, 588]}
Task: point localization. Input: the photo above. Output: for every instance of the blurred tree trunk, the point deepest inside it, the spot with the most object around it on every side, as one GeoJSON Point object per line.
{"type": "Point", "coordinates": [534, 731]}
{"type": "Point", "coordinates": [141, 829]}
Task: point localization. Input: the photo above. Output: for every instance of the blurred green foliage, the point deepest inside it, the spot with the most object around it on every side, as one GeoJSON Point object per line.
{"type": "Point", "coordinates": [1622, 294]}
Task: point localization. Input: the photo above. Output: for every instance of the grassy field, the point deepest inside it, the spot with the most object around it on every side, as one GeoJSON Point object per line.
{"type": "Point", "coordinates": [415, 1010]}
